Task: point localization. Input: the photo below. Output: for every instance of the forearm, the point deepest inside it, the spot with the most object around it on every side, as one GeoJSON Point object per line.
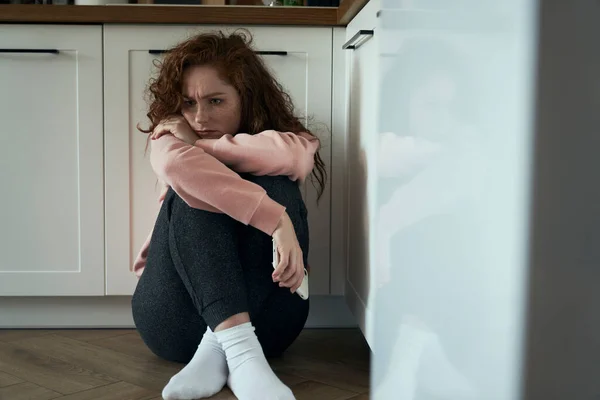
{"type": "Point", "coordinates": [205, 183]}
{"type": "Point", "coordinates": [266, 153]}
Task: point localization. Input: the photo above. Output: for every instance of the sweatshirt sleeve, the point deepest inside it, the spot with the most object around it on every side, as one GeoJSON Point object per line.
{"type": "Point", "coordinates": [140, 260]}
{"type": "Point", "coordinates": [204, 182]}
{"type": "Point", "coordinates": [266, 153]}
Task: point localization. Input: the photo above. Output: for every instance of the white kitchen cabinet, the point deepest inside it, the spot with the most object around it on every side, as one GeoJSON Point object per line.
{"type": "Point", "coordinates": [363, 81]}
{"type": "Point", "coordinates": [51, 166]}
{"type": "Point", "coordinates": [131, 186]}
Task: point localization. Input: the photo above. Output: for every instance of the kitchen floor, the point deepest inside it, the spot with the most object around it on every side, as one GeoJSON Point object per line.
{"type": "Point", "coordinates": [108, 364]}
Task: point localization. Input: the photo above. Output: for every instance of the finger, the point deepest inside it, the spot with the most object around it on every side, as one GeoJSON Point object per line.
{"type": "Point", "coordinates": [300, 275]}
{"type": "Point", "coordinates": [299, 280]}
{"type": "Point", "coordinates": [160, 130]}
{"type": "Point", "coordinates": [283, 263]}
{"type": "Point", "coordinates": [156, 129]}
{"type": "Point", "coordinates": [289, 282]}
{"type": "Point", "coordinates": [292, 282]}
{"type": "Point", "coordinates": [300, 259]}
{"type": "Point", "coordinates": [158, 133]}
{"type": "Point", "coordinates": [290, 270]}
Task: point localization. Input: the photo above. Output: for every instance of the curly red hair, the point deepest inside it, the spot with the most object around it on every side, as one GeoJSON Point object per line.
{"type": "Point", "coordinates": [264, 103]}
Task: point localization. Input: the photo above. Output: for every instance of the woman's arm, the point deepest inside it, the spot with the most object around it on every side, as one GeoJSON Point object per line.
{"type": "Point", "coordinates": [204, 182]}
{"type": "Point", "coordinates": [266, 153]}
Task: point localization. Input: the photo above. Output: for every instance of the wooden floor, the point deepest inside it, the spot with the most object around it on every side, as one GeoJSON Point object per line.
{"type": "Point", "coordinates": [116, 365]}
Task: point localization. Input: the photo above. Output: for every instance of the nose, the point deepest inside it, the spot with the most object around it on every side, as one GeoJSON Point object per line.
{"type": "Point", "coordinates": [202, 115]}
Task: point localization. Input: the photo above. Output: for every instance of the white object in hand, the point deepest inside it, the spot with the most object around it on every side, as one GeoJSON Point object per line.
{"type": "Point", "coordinates": [303, 289]}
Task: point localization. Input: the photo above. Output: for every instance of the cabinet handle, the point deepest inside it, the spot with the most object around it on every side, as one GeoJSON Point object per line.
{"type": "Point", "coordinates": [271, 53]}
{"type": "Point", "coordinates": [37, 51]}
{"type": "Point", "coordinates": [261, 52]}
{"type": "Point", "coordinates": [349, 45]}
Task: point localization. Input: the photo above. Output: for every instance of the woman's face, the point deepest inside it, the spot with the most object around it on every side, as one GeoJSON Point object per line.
{"type": "Point", "coordinates": [211, 106]}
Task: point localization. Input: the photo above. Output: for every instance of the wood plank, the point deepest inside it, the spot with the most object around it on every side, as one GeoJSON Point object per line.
{"type": "Point", "coordinates": [8, 335]}
{"type": "Point", "coordinates": [7, 380]}
{"type": "Point", "coordinates": [164, 14]}
{"type": "Point", "coordinates": [348, 10]}
{"type": "Point", "coordinates": [49, 372]}
{"type": "Point", "coordinates": [330, 373]}
{"type": "Point", "coordinates": [314, 390]}
{"type": "Point", "coordinates": [131, 344]}
{"type": "Point", "coordinates": [88, 335]}
{"type": "Point", "coordinates": [364, 396]}
{"type": "Point", "coordinates": [289, 379]}
{"type": "Point", "coordinates": [27, 391]}
{"type": "Point", "coordinates": [302, 389]}
{"type": "Point", "coordinates": [311, 367]}
{"type": "Point", "coordinates": [115, 391]}
{"type": "Point", "coordinates": [332, 345]}
{"type": "Point", "coordinates": [151, 374]}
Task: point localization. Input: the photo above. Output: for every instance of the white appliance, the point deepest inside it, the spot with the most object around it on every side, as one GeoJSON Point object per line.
{"type": "Point", "coordinates": [486, 252]}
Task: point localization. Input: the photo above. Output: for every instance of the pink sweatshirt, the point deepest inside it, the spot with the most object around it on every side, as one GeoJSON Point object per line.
{"type": "Point", "coordinates": [202, 177]}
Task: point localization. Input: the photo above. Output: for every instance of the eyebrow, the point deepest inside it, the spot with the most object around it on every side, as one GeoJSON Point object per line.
{"type": "Point", "coordinates": [213, 94]}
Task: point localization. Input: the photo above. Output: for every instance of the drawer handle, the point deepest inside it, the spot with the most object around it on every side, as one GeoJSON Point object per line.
{"type": "Point", "coordinates": [271, 53]}
{"type": "Point", "coordinates": [36, 51]}
{"type": "Point", "coordinates": [261, 52]}
{"type": "Point", "coordinates": [349, 45]}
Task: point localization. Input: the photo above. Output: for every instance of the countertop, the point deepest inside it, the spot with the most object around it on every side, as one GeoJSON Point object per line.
{"type": "Point", "coordinates": [168, 14]}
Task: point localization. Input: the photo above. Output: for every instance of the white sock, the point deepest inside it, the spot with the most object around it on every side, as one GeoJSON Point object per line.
{"type": "Point", "coordinates": [250, 375]}
{"type": "Point", "coordinates": [204, 376]}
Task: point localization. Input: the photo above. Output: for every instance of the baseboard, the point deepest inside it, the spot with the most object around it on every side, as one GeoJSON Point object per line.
{"type": "Point", "coordinates": [330, 312]}
{"type": "Point", "coordinates": [362, 313]}
{"type": "Point", "coordinates": [115, 312]}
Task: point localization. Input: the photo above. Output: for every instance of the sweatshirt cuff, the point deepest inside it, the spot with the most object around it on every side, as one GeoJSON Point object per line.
{"type": "Point", "coordinates": [208, 145]}
{"type": "Point", "coordinates": [267, 215]}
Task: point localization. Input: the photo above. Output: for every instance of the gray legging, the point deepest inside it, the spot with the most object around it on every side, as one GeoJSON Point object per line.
{"type": "Point", "coordinates": [204, 267]}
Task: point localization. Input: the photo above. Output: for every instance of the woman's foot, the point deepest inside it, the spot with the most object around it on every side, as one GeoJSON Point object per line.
{"type": "Point", "coordinates": [204, 376]}
{"type": "Point", "coordinates": [250, 375]}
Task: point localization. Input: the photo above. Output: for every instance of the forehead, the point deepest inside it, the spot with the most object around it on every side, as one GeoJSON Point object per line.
{"type": "Point", "coordinates": [199, 79]}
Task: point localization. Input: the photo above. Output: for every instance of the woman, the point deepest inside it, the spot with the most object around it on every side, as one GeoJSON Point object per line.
{"type": "Point", "coordinates": [208, 293]}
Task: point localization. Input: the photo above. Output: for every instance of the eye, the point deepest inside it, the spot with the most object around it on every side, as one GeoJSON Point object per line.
{"type": "Point", "coordinates": [189, 102]}
{"type": "Point", "coordinates": [215, 101]}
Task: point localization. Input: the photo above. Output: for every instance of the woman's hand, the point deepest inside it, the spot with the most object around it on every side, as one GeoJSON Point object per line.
{"type": "Point", "coordinates": [178, 127]}
{"type": "Point", "coordinates": [290, 270]}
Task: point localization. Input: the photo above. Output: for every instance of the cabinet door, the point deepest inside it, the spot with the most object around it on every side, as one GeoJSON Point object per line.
{"type": "Point", "coordinates": [52, 225]}
{"type": "Point", "coordinates": [132, 190]}
{"type": "Point", "coordinates": [363, 96]}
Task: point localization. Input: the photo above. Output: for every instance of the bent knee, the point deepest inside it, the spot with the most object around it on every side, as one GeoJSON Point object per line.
{"type": "Point", "coordinates": [279, 188]}
{"type": "Point", "coordinates": [184, 214]}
